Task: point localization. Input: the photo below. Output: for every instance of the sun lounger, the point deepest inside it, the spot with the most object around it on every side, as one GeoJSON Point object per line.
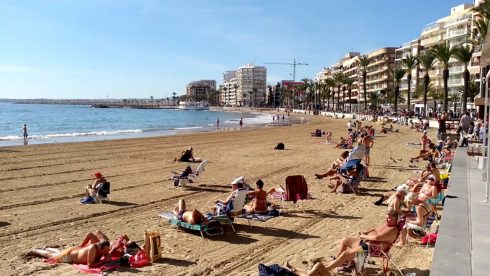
{"type": "Point", "coordinates": [212, 229]}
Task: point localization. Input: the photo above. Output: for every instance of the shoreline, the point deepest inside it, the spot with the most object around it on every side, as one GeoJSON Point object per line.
{"type": "Point", "coordinates": [39, 181]}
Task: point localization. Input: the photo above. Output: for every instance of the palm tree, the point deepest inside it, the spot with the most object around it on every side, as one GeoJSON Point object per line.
{"type": "Point", "coordinates": [236, 93]}
{"type": "Point", "coordinates": [339, 79]}
{"type": "Point", "coordinates": [409, 63]}
{"type": "Point", "coordinates": [349, 81]}
{"type": "Point", "coordinates": [464, 54]}
{"type": "Point", "coordinates": [443, 53]}
{"type": "Point", "coordinates": [173, 97]}
{"type": "Point", "coordinates": [473, 89]}
{"type": "Point", "coordinates": [330, 83]}
{"type": "Point", "coordinates": [426, 59]}
{"type": "Point", "coordinates": [436, 94]}
{"type": "Point", "coordinates": [484, 9]}
{"type": "Point", "coordinates": [364, 62]}
{"type": "Point", "coordinates": [398, 74]}
{"type": "Point", "coordinates": [482, 28]}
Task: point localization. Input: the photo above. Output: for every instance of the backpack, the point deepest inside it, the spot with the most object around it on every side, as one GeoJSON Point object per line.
{"type": "Point", "coordinates": [279, 146]}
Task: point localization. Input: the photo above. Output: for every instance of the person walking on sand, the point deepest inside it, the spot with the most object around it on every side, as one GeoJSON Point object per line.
{"type": "Point", "coordinates": [24, 129]}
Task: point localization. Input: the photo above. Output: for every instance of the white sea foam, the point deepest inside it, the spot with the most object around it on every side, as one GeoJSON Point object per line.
{"type": "Point", "coordinates": [75, 134]}
{"type": "Point", "coordinates": [184, 128]}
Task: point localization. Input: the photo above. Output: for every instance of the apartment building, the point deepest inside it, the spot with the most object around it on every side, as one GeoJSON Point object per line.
{"type": "Point", "coordinates": [198, 90]}
{"type": "Point", "coordinates": [245, 86]}
{"type": "Point", "coordinates": [455, 29]}
{"type": "Point", "coordinates": [379, 78]}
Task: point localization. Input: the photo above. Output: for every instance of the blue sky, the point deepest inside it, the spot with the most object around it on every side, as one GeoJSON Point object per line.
{"type": "Point", "coordinates": [143, 48]}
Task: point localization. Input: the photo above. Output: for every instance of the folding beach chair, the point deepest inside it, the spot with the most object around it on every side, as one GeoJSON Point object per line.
{"type": "Point", "coordinates": [102, 191]}
{"type": "Point", "coordinates": [194, 177]}
{"type": "Point", "coordinates": [213, 228]}
{"type": "Point", "coordinates": [234, 209]}
{"type": "Point", "coordinates": [375, 250]}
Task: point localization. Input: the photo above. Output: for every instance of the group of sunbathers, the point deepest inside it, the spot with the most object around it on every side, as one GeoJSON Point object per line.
{"type": "Point", "coordinates": [431, 151]}
{"type": "Point", "coordinates": [257, 203]}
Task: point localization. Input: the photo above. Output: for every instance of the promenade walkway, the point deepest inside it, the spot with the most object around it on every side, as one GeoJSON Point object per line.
{"type": "Point", "coordinates": [463, 245]}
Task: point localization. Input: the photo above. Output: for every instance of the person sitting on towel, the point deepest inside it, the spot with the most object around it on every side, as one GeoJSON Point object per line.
{"type": "Point", "coordinates": [189, 216]}
{"type": "Point", "coordinates": [188, 156]}
{"type": "Point", "coordinates": [91, 190]}
{"type": "Point", "coordinates": [259, 202]}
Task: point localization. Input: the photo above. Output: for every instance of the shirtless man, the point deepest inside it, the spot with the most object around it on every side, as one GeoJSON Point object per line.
{"type": "Point", "coordinates": [189, 216]}
{"type": "Point", "coordinates": [89, 255]}
{"type": "Point", "coordinates": [91, 190]}
{"type": "Point", "coordinates": [368, 143]}
{"type": "Point", "coordinates": [388, 233]}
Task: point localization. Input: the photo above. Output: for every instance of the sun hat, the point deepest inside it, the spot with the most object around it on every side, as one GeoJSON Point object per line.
{"type": "Point", "coordinates": [402, 188]}
{"type": "Point", "coordinates": [238, 180]}
{"type": "Point", "coordinates": [98, 174]}
{"type": "Point", "coordinates": [431, 177]}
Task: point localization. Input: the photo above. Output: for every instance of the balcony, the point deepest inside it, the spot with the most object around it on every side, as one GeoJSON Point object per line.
{"type": "Point", "coordinates": [459, 32]}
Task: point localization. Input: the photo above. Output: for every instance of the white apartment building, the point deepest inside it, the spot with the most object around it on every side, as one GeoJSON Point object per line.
{"type": "Point", "coordinates": [245, 86]}
{"type": "Point", "coordinates": [455, 29]}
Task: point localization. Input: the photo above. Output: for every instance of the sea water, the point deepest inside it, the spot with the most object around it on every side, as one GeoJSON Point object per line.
{"type": "Point", "coordinates": [52, 123]}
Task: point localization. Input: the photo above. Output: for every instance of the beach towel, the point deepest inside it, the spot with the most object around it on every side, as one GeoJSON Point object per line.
{"type": "Point", "coordinates": [256, 217]}
{"type": "Point", "coordinates": [274, 270]}
{"type": "Point", "coordinates": [296, 188]}
{"type": "Point", "coordinates": [94, 271]}
{"type": "Point", "coordinates": [87, 200]}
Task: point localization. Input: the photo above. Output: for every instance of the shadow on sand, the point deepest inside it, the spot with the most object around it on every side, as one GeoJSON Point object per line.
{"type": "Point", "coordinates": [273, 232]}
{"type": "Point", "coordinates": [4, 223]}
{"type": "Point", "coordinates": [120, 203]}
{"type": "Point", "coordinates": [174, 262]}
{"type": "Point", "coordinates": [316, 213]}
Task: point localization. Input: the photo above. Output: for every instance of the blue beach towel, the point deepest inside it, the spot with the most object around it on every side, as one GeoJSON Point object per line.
{"type": "Point", "coordinates": [87, 200]}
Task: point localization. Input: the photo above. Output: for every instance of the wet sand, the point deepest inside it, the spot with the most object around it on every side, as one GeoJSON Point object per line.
{"type": "Point", "coordinates": [41, 186]}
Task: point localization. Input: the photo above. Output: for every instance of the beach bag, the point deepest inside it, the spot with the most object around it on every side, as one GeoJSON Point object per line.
{"type": "Point", "coordinates": [279, 146]}
{"type": "Point", "coordinates": [87, 200]}
{"type": "Point", "coordinates": [140, 259]}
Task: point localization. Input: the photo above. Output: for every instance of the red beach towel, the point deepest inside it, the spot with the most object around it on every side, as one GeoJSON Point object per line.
{"type": "Point", "coordinates": [296, 188]}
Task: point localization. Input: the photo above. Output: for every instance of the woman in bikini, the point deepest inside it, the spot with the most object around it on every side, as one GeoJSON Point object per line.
{"type": "Point", "coordinates": [335, 164]}
{"type": "Point", "coordinates": [259, 202]}
{"type": "Point", "coordinates": [416, 223]}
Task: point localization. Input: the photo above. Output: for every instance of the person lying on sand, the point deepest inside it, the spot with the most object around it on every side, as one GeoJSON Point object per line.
{"type": "Point", "coordinates": [90, 254]}
{"type": "Point", "coordinates": [189, 216]}
{"type": "Point", "coordinates": [187, 156]}
{"type": "Point", "coordinates": [119, 247]}
{"type": "Point", "coordinates": [335, 164]}
{"type": "Point", "coordinates": [91, 190]}
{"type": "Point", "coordinates": [259, 202]}
{"type": "Point", "coordinates": [386, 233]}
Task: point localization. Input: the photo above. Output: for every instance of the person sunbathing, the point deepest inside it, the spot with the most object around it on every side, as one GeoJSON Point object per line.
{"type": "Point", "coordinates": [187, 156]}
{"type": "Point", "coordinates": [345, 179]}
{"type": "Point", "coordinates": [395, 199]}
{"type": "Point", "coordinates": [90, 255]}
{"type": "Point", "coordinates": [342, 144]}
{"type": "Point", "coordinates": [415, 225]}
{"type": "Point", "coordinates": [425, 154]}
{"type": "Point", "coordinates": [328, 136]}
{"type": "Point", "coordinates": [191, 217]}
{"type": "Point", "coordinates": [237, 187]}
{"type": "Point", "coordinates": [259, 202]}
{"type": "Point", "coordinates": [122, 245]}
{"type": "Point", "coordinates": [431, 170]}
{"type": "Point", "coordinates": [335, 164]}
{"type": "Point", "coordinates": [91, 190]}
{"type": "Point", "coordinates": [386, 233]}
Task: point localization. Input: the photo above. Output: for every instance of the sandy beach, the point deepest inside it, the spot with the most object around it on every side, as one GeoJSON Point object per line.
{"type": "Point", "coordinates": [41, 186]}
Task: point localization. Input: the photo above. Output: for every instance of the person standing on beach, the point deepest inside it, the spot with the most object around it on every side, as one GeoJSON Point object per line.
{"type": "Point", "coordinates": [24, 129]}
{"type": "Point", "coordinates": [217, 122]}
{"type": "Point", "coordinates": [241, 122]}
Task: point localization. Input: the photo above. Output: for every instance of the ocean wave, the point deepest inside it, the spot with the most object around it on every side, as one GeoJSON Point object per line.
{"type": "Point", "coordinates": [75, 134]}
{"type": "Point", "coordinates": [184, 128]}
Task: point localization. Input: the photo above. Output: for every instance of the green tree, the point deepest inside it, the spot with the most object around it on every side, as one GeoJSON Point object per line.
{"type": "Point", "coordinates": [409, 63]}
{"type": "Point", "coordinates": [443, 53]}
{"type": "Point", "coordinates": [349, 81]}
{"type": "Point", "coordinates": [426, 60]}
{"type": "Point", "coordinates": [398, 74]}
{"type": "Point", "coordinates": [484, 9]}
{"type": "Point", "coordinates": [436, 95]}
{"type": "Point", "coordinates": [330, 83]}
{"type": "Point", "coordinates": [464, 54]}
{"type": "Point", "coordinates": [364, 62]}
{"type": "Point", "coordinates": [473, 89]}
{"type": "Point", "coordinates": [339, 79]}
